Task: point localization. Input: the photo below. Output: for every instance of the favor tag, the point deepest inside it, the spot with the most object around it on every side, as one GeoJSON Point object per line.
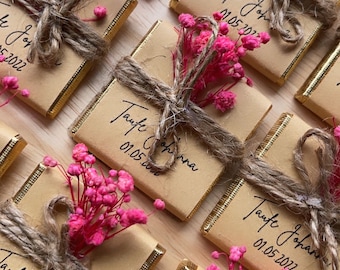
{"type": "Point", "coordinates": [121, 134]}
{"type": "Point", "coordinates": [275, 238]}
{"type": "Point", "coordinates": [11, 145]}
{"type": "Point", "coordinates": [188, 265]}
{"type": "Point", "coordinates": [50, 88]}
{"type": "Point", "coordinates": [133, 248]}
{"type": "Point", "coordinates": [253, 17]}
{"type": "Point", "coordinates": [321, 91]}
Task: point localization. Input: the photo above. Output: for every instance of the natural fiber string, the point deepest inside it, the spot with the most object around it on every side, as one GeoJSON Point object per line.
{"type": "Point", "coordinates": [49, 249]}
{"type": "Point", "coordinates": [281, 11]}
{"type": "Point", "coordinates": [178, 110]}
{"type": "Point", "coordinates": [56, 24]}
{"type": "Point", "coordinates": [311, 200]}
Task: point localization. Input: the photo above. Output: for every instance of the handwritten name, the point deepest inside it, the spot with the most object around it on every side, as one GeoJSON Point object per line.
{"type": "Point", "coordinates": [135, 124]}
{"type": "Point", "coordinates": [270, 221]}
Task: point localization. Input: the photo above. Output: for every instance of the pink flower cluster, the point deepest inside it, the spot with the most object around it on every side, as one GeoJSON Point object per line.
{"type": "Point", "coordinates": [98, 213]}
{"type": "Point", "coordinates": [235, 255]}
{"type": "Point", "coordinates": [10, 83]}
{"type": "Point", "coordinates": [224, 66]}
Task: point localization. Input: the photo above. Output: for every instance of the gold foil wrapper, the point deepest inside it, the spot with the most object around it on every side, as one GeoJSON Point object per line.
{"type": "Point", "coordinates": [133, 248]}
{"type": "Point", "coordinates": [253, 17]}
{"type": "Point", "coordinates": [50, 88]}
{"type": "Point", "coordinates": [321, 91]}
{"type": "Point", "coordinates": [275, 238]}
{"type": "Point", "coordinates": [121, 135]}
{"type": "Point", "coordinates": [11, 145]}
{"type": "Point", "coordinates": [188, 265]}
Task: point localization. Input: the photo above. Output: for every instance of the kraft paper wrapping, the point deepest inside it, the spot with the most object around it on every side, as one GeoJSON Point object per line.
{"type": "Point", "coordinates": [275, 238]}
{"type": "Point", "coordinates": [11, 145]}
{"type": "Point", "coordinates": [321, 91]}
{"type": "Point", "coordinates": [253, 17]}
{"type": "Point", "coordinates": [119, 126]}
{"type": "Point", "coordinates": [188, 265]}
{"type": "Point", "coordinates": [51, 88]}
{"type": "Point", "coordinates": [134, 248]}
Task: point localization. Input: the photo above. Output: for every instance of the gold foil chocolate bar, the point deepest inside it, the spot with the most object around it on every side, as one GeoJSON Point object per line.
{"type": "Point", "coordinates": [119, 128]}
{"type": "Point", "coordinates": [275, 238]}
{"type": "Point", "coordinates": [133, 248]}
{"type": "Point", "coordinates": [321, 91]}
{"type": "Point", "coordinates": [277, 59]}
{"type": "Point", "coordinates": [11, 145]}
{"type": "Point", "coordinates": [188, 265]}
{"type": "Point", "coordinates": [50, 88]}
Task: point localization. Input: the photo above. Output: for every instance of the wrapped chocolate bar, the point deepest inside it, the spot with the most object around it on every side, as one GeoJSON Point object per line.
{"type": "Point", "coordinates": [51, 84]}
{"type": "Point", "coordinates": [122, 135]}
{"type": "Point", "coordinates": [188, 265]}
{"type": "Point", "coordinates": [320, 91]}
{"type": "Point", "coordinates": [25, 216]}
{"type": "Point", "coordinates": [253, 17]}
{"type": "Point", "coordinates": [11, 145]}
{"type": "Point", "coordinates": [274, 237]}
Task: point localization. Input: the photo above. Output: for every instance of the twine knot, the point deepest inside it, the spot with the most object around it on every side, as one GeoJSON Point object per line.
{"type": "Point", "coordinates": [49, 249]}
{"type": "Point", "coordinates": [178, 109]}
{"type": "Point", "coordinates": [56, 24]}
{"type": "Point", "coordinates": [313, 201]}
{"type": "Point", "coordinates": [281, 12]}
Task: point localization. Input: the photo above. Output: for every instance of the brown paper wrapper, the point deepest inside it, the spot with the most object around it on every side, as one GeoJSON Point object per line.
{"type": "Point", "coordinates": [321, 91]}
{"type": "Point", "coordinates": [133, 248]}
{"type": "Point", "coordinates": [120, 135]}
{"type": "Point", "coordinates": [11, 145]}
{"type": "Point", "coordinates": [254, 18]}
{"type": "Point", "coordinates": [188, 265]}
{"type": "Point", "coordinates": [51, 88]}
{"type": "Point", "coordinates": [275, 238]}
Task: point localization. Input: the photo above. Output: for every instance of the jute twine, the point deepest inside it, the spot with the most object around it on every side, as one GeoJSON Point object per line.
{"type": "Point", "coordinates": [177, 109]}
{"type": "Point", "coordinates": [50, 248]}
{"type": "Point", "coordinates": [57, 24]}
{"type": "Point", "coordinates": [281, 12]}
{"type": "Point", "coordinates": [311, 200]}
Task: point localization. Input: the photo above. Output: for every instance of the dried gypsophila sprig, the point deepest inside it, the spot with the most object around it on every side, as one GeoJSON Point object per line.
{"type": "Point", "coordinates": [236, 253]}
{"type": "Point", "coordinates": [10, 84]}
{"type": "Point", "coordinates": [225, 60]}
{"type": "Point", "coordinates": [98, 201]}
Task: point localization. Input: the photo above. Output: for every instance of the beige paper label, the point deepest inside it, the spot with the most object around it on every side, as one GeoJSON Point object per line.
{"type": "Point", "coordinates": [133, 248]}
{"type": "Point", "coordinates": [321, 93]}
{"type": "Point", "coordinates": [276, 59]}
{"type": "Point", "coordinates": [121, 134]}
{"type": "Point", "coordinates": [275, 238]}
{"type": "Point", "coordinates": [50, 88]}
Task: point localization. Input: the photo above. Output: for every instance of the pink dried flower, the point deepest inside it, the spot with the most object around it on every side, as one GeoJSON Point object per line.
{"type": "Point", "coordinates": [10, 82]}
{"type": "Point", "coordinates": [98, 200]}
{"type": "Point", "coordinates": [224, 56]}
{"type": "Point", "coordinates": [159, 204]}
{"type": "Point", "coordinates": [2, 58]}
{"type": "Point", "coordinates": [235, 255]}
{"type": "Point", "coordinates": [224, 100]}
{"type": "Point", "coordinates": [99, 12]}
{"type": "Point", "coordinates": [213, 267]}
{"type": "Point", "coordinates": [186, 20]}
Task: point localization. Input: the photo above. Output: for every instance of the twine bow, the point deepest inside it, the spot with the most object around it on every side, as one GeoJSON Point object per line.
{"type": "Point", "coordinates": [49, 249]}
{"type": "Point", "coordinates": [177, 109]}
{"type": "Point", "coordinates": [311, 200]}
{"type": "Point", "coordinates": [56, 24]}
{"type": "Point", "coordinates": [280, 12]}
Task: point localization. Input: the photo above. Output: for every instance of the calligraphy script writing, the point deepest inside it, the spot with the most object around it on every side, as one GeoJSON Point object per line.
{"type": "Point", "coordinates": [267, 218]}
{"type": "Point", "coordinates": [132, 115]}
{"type": "Point", "coordinates": [237, 20]}
{"type": "Point", "coordinates": [4, 259]}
